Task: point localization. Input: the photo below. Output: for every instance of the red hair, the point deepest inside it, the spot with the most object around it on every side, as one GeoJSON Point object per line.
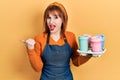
{"type": "Point", "coordinates": [59, 8]}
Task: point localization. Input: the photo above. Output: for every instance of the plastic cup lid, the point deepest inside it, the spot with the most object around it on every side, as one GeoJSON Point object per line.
{"type": "Point", "coordinates": [101, 36]}
{"type": "Point", "coordinates": [83, 37]}
{"type": "Point", "coordinates": [95, 39]}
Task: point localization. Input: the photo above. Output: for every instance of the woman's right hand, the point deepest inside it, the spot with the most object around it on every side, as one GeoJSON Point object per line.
{"type": "Point", "coordinates": [29, 43]}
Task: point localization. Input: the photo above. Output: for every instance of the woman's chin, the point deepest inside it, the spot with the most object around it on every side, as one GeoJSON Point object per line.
{"type": "Point", "coordinates": [52, 31]}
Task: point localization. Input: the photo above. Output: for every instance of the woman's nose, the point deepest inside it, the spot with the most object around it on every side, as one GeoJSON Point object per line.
{"type": "Point", "coordinates": [51, 21]}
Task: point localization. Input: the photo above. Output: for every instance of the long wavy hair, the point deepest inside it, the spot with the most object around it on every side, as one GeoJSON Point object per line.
{"type": "Point", "coordinates": [59, 8]}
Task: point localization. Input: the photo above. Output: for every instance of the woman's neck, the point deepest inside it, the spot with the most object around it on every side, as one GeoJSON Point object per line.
{"type": "Point", "coordinates": [55, 36]}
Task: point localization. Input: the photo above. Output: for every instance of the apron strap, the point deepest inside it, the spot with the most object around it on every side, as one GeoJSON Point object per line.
{"type": "Point", "coordinates": [48, 37]}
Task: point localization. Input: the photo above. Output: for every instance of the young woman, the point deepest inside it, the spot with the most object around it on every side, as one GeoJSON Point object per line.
{"type": "Point", "coordinates": [51, 51]}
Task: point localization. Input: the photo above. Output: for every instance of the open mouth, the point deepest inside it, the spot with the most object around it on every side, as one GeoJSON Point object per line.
{"type": "Point", "coordinates": [52, 27]}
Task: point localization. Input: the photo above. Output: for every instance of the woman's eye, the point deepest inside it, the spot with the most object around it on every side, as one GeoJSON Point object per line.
{"type": "Point", "coordinates": [56, 17]}
{"type": "Point", "coordinates": [48, 17]}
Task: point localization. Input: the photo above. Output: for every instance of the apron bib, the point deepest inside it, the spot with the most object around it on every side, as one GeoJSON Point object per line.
{"type": "Point", "coordinates": [56, 61]}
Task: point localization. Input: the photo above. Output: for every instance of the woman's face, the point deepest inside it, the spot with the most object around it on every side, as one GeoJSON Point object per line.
{"type": "Point", "coordinates": [54, 22]}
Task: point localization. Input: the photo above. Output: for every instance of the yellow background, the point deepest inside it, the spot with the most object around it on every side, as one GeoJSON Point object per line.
{"type": "Point", "coordinates": [22, 19]}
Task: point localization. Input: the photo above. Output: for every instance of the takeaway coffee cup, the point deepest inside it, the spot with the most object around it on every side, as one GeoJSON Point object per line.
{"type": "Point", "coordinates": [103, 40]}
{"type": "Point", "coordinates": [83, 43]}
{"type": "Point", "coordinates": [96, 44]}
{"type": "Point", "coordinates": [89, 36]}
